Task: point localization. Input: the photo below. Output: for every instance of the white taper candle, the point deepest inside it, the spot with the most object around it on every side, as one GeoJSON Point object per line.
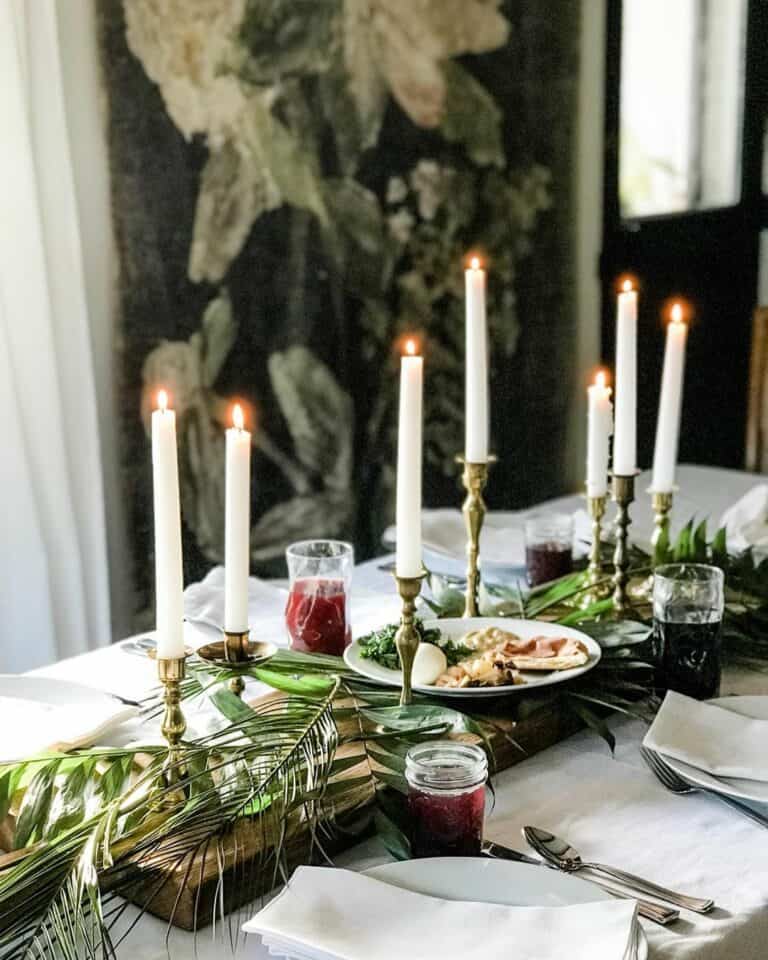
{"type": "Point", "coordinates": [476, 361]}
{"type": "Point", "coordinates": [237, 523]}
{"type": "Point", "coordinates": [670, 403]}
{"type": "Point", "coordinates": [625, 433]}
{"type": "Point", "coordinates": [599, 427]}
{"type": "Point", "coordinates": [408, 562]}
{"type": "Point", "coordinates": [169, 576]}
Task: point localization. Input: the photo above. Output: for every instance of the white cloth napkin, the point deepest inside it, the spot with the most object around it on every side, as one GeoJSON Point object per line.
{"type": "Point", "coordinates": [204, 607]}
{"type": "Point", "coordinates": [711, 738]}
{"type": "Point", "coordinates": [746, 522]}
{"type": "Point", "coordinates": [502, 539]}
{"type": "Point", "coordinates": [28, 727]}
{"type": "Point", "coordinates": [331, 914]}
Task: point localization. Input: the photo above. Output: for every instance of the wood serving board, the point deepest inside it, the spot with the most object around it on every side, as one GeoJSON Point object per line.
{"type": "Point", "coordinates": [525, 724]}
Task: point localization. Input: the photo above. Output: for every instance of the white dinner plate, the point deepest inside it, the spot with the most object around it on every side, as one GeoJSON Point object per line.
{"type": "Point", "coordinates": [483, 880]}
{"type": "Point", "coordinates": [51, 691]}
{"type": "Point", "coordinates": [753, 790]}
{"type": "Point", "coordinates": [456, 627]}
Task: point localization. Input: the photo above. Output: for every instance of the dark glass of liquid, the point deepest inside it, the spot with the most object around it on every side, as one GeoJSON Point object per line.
{"type": "Point", "coordinates": [548, 547]}
{"type": "Point", "coordinates": [688, 657]}
{"type": "Point", "coordinates": [688, 603]}
{"type": "Point", "coordinates": [547, 561]}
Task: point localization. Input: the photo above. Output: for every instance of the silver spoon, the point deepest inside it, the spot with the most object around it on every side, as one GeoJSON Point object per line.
{"type": "Point", "coordinates": [561, 854]}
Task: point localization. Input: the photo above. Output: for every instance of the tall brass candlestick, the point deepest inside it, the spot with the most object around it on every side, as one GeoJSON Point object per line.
{"type": "Point", "coordinates": [596, 507]}
{"type": "Point", "coordinates": [171, 672]}
{"type": "Point", "coordinates": [407, 637]}
{"type": "Point", "coordinates": [662, 506]}
{"type": "Point", "coordinates": [623, 495]}
{"type": "Point", "coordinates": [474, 477]}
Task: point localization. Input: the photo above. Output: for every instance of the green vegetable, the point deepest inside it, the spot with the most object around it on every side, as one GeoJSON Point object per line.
{"type": "Point", "coordinates": [380, 645]}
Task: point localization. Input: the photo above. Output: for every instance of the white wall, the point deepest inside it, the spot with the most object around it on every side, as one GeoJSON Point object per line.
{"type": "Point", "coordinates": [86, 120]}
{"type": "Point", "coordinates": [588, 188]}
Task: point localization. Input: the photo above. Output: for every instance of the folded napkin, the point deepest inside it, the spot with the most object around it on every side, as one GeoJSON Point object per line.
{"type": "Point", "coordinates": [204, 606]}
{"type": "Point", "coordinates": [28, 727]}
{"type": "Point", "coordinates": [330, 914]}
{"type": "Point", "coordinates": [502, 539]}
{"type": "Point", "coordinates": [746, 522]}
{"type": "Point", "coordinates": [711, 738]}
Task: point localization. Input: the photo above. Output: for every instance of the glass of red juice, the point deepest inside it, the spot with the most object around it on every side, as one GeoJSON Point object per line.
{"type": "Point", "coordinates": [317, 612]}
{"type": "Point", "coordinates": [446, 798]}
{"type": "Point", "coordinates": [548, 547]}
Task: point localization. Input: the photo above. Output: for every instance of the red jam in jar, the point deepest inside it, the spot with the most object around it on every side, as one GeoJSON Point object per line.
{"type": "Point", "coordinates": [446, 798]}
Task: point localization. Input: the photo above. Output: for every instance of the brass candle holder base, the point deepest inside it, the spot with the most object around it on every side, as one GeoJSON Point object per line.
{"type": "Point", "coordinates": [171, 673]}
{"type": "Point", "coordinates": [236, 652]}
{"type": "Point", "coordinates": [407, 637]}
{"type": "Point", "coordinates": [623, 496]}
{"type": "Point", "coordinates": [474, 478]}
{"type": "Point", "coordinates": [599, 588]}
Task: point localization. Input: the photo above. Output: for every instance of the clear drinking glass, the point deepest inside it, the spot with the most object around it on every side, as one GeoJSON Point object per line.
{"type": "Point", "coordinates": [446, 798]}
{"type": "Point", "coordinates": [688, 603]}
{"type": "Point", "coordinates": [548, 546]}
{"type": "Point", "coordinates": [317, 612]}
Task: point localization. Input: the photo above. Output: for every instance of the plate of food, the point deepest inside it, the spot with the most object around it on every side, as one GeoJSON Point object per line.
{"type": "Point", "coordinates": [479, 657]}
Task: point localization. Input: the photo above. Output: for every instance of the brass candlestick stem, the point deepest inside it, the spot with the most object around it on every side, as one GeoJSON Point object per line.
{"type": "Point", "coordinates": [596, 508]}
{"type": "Point", "coordinates": [171, 672]}
{"type": "Point", "coordinates": [662, 506]}
{"type": "Point", "coordinates": [237, 653]}
{"type": "Point", "coordinates": [474, 477]}
{"type": "Point", "coordinates": [623, 495]}
{"type": "Point", "coordinates": [407, 638]}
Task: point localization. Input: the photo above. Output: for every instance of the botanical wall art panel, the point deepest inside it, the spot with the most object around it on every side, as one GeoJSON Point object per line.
{"type": "Point", "coordinates": [296, 185]}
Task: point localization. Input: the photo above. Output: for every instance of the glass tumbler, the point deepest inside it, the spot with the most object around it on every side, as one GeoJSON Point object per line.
{"type": "Point", "coordinates": [548, 547]}
{"type": "Point", "coordinates": [446, 798]}
{"type": "Point", "coordinates": [317, 612]}
{"type": "Point", "coordinates": [688, 603]}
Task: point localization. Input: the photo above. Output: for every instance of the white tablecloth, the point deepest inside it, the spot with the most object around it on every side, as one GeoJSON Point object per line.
{"type": "Point", "coordinates": [611, 808]}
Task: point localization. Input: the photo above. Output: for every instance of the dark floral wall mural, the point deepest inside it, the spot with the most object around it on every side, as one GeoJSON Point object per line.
{"type": "Point", "coordinates": [296, 185]}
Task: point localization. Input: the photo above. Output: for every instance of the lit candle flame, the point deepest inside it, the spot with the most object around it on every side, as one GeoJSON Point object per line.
{"type": "Point", "coordinates": [600, 378]}
{"type": "Point", "coordinates": [410, 348]}
{"type": "Point", "coordinates": [677, 313]}
{"type": "Point", "coordinates": [474, 263]}
{"type": "Point", "coordinates": [627, 286]}
{"type": "Point", "coordinates": [237, 417]}
{"type": "Point", "coordinates": [162, 400]}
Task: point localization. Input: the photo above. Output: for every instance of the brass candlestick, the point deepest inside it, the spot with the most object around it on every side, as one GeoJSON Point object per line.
{"type": "Point", "coordinates": [596, 507]}
{"type": "Point", "coordinates": [474, 477]}
{"type": "Point", "coordinates": [407, 637]}
{"type": "Point", "coordinates": [238, 653]}
{"type": "Point", "coordinates": [623, 495]}
{"type": "Point", "coordinates": [171, 672]}
{"type": "Point", "coordinates": [662, 506]}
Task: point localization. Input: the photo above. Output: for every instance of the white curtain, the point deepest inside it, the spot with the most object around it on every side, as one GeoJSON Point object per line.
{"type": "Point", "coordinates": [54, 585]}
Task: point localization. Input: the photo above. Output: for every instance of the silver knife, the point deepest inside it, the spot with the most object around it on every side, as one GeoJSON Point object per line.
{"type": "Point", "coordinates": [646, 908]}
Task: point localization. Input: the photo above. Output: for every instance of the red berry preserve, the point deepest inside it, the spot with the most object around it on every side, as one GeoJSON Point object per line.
{"type": "Point", "coordinates": [446, 798]}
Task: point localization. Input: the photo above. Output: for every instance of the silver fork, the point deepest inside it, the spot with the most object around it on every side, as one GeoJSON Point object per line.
{"type": "Point", "coordinates": [670, 779]}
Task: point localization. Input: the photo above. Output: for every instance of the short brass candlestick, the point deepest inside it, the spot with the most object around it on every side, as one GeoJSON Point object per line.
{"type": "Point", "coordinates": [474, 477]}
{"type": "Point", "coordinates": [237, 653]}
{"type": "Point", "coordinates": [171, 671]}
{"type": "Point", "coordinates": [597, 591]}
{"type": "Point", "coordinates": [623, 495]}
{"type": "Point", "coordinates": [407, 637]}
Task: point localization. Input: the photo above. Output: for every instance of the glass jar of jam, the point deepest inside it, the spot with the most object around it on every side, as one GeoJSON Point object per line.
{"type": "Point", "coordinates": [446, 798]}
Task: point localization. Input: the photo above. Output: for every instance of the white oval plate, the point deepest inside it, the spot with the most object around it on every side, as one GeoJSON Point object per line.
{"type": "Point", "coordinates": [456, 627]}
{"type": "Point", "coordinates": [483, 880]}
{"type": "Point", "coordinates": [51, 690]}
{"type": "Point", "coordinates": [753, 790]}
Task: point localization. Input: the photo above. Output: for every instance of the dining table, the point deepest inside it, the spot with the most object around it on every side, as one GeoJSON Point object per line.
{"type": "Point", "coordinates": [609, 805]}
